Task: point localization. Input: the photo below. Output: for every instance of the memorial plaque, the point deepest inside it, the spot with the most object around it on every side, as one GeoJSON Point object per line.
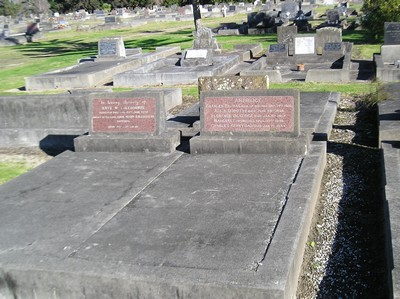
{"type": "Point", "coordinates": [277, 48]}
{"type": "Point", "coordinates": [196, 53]}
{"type": "Point", "coordinates": [107, 48]}
{"type": "Point", "coordinates": [249, 114]}
{"type": "Point", "coordinates": [111, 47]}
{"type": "Point", "coordinates": [110, 19]}
{"type": "Point", "coordinates": [124, 115]}
{"type": "Point", "coordinates": [392, 33]}
{"type": "Point", "coordinates": [304, 45]}
{"type": "Point", "coordinates": [333, 47]}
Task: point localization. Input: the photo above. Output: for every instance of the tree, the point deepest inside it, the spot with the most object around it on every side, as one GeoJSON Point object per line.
{"type": "Point", "coordinates": [9, 8]}
{"type": "Point", "coordinates": [377, 12]}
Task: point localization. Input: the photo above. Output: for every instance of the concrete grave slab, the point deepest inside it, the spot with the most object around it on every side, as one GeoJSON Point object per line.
{"type": "Point", "coordinates": [159, 241]}
{"type": "Point", "coordinates": [93, 73]}
{"type": "Point", "coordinates": [100, 225]}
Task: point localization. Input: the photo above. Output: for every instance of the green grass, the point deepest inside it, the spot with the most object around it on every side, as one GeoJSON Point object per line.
{"type": "Point", "coordinates": [350, 88]}
{"type": "Point", "coordinates": [10, 170]}
{"type": "Point", "coordinates": [63, 48]}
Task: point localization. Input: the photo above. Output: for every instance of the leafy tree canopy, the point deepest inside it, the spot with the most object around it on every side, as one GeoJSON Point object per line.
{"type": "Point", "coordinates": [377, 12]}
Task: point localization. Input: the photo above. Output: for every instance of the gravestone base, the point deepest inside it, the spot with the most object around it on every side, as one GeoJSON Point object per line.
{"type": "Point", "coordinates": [165, 143]}
{"type": "Point", "coordinates": [249, 145]}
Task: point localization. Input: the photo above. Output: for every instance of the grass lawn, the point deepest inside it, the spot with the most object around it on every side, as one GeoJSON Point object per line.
{"type": "Point", "coordinates": [10, 170]}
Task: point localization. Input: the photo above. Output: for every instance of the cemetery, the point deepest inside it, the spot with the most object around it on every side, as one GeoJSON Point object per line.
{"type": "Point", "coordinates": [188, 162]}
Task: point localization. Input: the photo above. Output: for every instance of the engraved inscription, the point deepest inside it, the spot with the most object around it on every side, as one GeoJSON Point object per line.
{"type": "Point", "coordinates": [392, 33]}
{"type": "Point", "coordinates": [277, 48]}
{"type": "Point", "coordinates": [249, 114]}
{"type": "Point", "coordinates": [124, 115]}
{"type": "Point", "coordinates": [332, 46]}
{"type": "Point", "coordinates": [108, 48]}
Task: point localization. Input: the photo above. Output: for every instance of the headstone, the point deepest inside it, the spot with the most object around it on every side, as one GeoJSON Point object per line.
{"type": "Point", "coordinates": [289, 9]}
{"type": "Point", "coordinates": [304, 45]}
{"type": "Point", "coordinates": [327, 35]}
{"type": "Point", "coordinates": [249, 121]}
{"type": "Point", "coordinates": [232, 8]}
{"type": "Point", "coordinates": [204, 39]}
{"type": "Point", "coordinates": [125, 122]}
{"type": "Point", "coordinates": [286, 35]}
{"type": "Point", "coordinates": [248, 114]}
{"type": "Point", "coordinates": [392, 33]}
{"type": "Point", "coordinates": [277, 50]}
{"type": "Point", "coordinates": [111, 47]}
{"type": "Point", "coordinates": [125, 115]}
{"type": "Point", "coordinates": [333, 16]}
{"type": "Point", "coordinates": [110, 19]}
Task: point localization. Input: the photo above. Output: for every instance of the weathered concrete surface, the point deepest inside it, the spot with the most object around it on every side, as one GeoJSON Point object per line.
{"type": "Point", "coordinates": [125, 225]}
{"type": "Point", "coordinates": [389, 135]}
{"type": "Point", "coordinates": [168, 72]}
{"type": "Point", "coordinates": [92, 74]}
{"type": "Point", "coordinates": [87, 227]}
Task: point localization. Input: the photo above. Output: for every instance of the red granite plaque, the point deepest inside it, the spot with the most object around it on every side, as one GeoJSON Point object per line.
{"type": "Point", "coordinates": [136, 115]}
{"type": "Point", "coordinates": [249, 114]}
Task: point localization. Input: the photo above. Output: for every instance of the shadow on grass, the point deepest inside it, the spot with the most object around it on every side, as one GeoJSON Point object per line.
{"type": "Point", "coordinates": [358, 37]}
{"type": "Point", "coordinates": [57, 47]}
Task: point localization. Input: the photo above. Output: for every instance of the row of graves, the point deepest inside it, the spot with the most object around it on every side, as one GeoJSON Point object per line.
{"type": "Point", "coordinates": [131, 68]}
{"type": "Point", "coordinates": [128, 212]}
{"type": "Point", "coordinates": [320, 57]}
{"type": "Point", "coordinates": [387, 63]}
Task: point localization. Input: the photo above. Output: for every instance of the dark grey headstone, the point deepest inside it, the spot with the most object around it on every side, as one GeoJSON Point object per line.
{"type": "Point", "coordinates": [333, 16]}
{"type": "Point", "coordinates": [332, 46]}
{"type": "Point", "coordinates": [232, 8]}
{"type": "Point", "coordinates": [110, 19]}
{"type": "Point", "coordinates": [277, 50]}
{"type": "Point", "coordinates": [392, 33]}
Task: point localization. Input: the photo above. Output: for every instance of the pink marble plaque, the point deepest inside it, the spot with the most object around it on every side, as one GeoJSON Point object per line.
{"type": "Point", "coordinates": [137, 115]}
{"type": "Point", "coordinates": [249, 114]}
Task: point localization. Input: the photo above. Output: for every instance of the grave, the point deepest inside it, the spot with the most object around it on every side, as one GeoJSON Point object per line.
{"type": "Point", "coordinates": [128, 122]}
{"type": "Point", "coordinates": [24, 125]}
{"type": "Point", "coordinates": [166, 224]}
{"type": "Point", "coordinates": [203, 59]}
{"type": "Point", "coordinates": [387, 69]}
{"type": "Point", "coordinates": [112, 59]}
{"type": "Point", "coordinates": [320, 57]}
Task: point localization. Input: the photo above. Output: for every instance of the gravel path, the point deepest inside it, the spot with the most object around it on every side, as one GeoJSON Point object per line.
{"type": "Point", "coordinates": [344, 255]}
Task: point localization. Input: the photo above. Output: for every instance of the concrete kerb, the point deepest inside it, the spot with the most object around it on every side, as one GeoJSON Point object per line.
{"type": "Point", "coordinates": [389, 140]}
{"type": "Point", "coordinates": [390, 181]}
{"type": "Point", "coordinates": [284, 263]}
